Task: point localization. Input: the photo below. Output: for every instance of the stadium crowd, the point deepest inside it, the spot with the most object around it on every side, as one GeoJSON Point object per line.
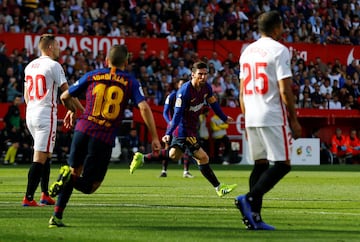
{"type": "Point", "coordinates": [183, 22]}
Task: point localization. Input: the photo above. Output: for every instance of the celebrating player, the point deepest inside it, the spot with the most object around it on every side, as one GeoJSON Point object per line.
{"type": "Point", "coordinates": [265, 86]}
{"type": "Point", "coordinates": [108, 91]}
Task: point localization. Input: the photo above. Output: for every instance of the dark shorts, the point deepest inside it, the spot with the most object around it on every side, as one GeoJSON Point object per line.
{"type": "Point", "coordinates": [92, 153]}
{"type": "Point", "coordinates": [190, 143]}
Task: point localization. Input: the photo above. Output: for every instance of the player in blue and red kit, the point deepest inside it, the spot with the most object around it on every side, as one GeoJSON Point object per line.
{"type": "Point", "coordinates": [108, 91]}
{"type": "Point", "coordinates": [168, 113]}
{"type": "Point", "coordinates": [190, 99]}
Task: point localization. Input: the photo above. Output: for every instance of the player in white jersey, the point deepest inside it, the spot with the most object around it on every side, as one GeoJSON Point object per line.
{"type": "Point", "coordinates": [43, 77]}
{"type": "Point", "coordinates": [267, 101]}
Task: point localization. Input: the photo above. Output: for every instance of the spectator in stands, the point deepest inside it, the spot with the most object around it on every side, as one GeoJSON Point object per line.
{"type": "Point", "coordinates": [217, 88]}
{"type": "Point", "coordinates": [352, 68]}
{"type": "Point", "coordinates": [211, 74]}
{"type": "Point", "coordinates": [172, 40]}
{"type": "Point", "coordinates": [13, 130]}
{"type": "Point", "coordinates": [152, 25]}
{"type": "Point", "coordinates": [46, 16]}
{"type": "Point", "coordinates": [219, 135]}
{"type": "Point", "coordinates": [114, 29]}
{"type": "Point", "coordinates": [308, 85]}
{"type": "Point", "coordinates": [305, 98]}
{"type": "Point", "coordinates": [351, 102]}
{"type": "Point", "coordinates": [340, 147]}
{"type": "Point", "coordinates": [337, 74]}
{"type": "Point", "coordinates": [184, 71]}
{"type": "Point", "coordinates": [12, 90]}
{"type": "Point", "coordinates": [229, 99]}
{"type": "Point", "coordinates": [354, 146]}
{"type": "Point", "coordinates": [335, 103]}
{"type": "Point", "coordinates": [75, 27]}
{"type": "Point", "coordinates": [12, 117]}
{"type": "Point", "coordinates": [167, 27]}
{"type": "Point", "coordinates": [215, 60]}
{"type": "Point", "coordinates": [303, 32]}
{"type": "Point", "coordinates": [94, 11]}
{"type": "Point", "coordinates": [11, 153]}
{"type": "Point", "coordinates": [355, 86]}
{"type": "Point", "coordinates": [325, 153]}
{"type": "Point", "coordinates": [335, 87]}
{"type": "Point", "coordinates": [3, 91]}
{"type": "Point", "coordinates": [131, 144]}
{"type": "Point", "coordinates": [316, 97]}
{"type": "Point", "coordinates": [325, 87]}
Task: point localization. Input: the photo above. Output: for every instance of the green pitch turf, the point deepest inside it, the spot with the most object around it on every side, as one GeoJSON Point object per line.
{"type": "Point", "coordinates": [309, 204]}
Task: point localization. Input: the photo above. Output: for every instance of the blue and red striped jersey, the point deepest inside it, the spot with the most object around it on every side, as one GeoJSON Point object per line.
{"type": "Point", "coordinates": [108, 92]}
{"type": "Point", "coordinates": [188, 106]}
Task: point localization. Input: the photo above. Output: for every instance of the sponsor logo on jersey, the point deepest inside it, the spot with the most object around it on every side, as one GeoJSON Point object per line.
{"type": "Point", "coordinates": [196, 108]}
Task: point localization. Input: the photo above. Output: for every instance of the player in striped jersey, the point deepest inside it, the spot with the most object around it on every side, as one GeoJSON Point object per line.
{"type": "Point", "coordinates": [168, 114]}
{"type": "Point", "coordinates": [190, 99]}
{"type": "Point", "coordinates": [108, 91]}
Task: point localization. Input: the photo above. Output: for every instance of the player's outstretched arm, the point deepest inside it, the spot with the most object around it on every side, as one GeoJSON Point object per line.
{"type": "Point", "coordinates": [67, 101]}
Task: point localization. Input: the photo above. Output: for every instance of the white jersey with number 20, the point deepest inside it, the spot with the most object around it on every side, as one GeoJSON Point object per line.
{"type": "Point", "coordinates": [261, 96]}
{"type": "Point", "coordinates": [43, 77]}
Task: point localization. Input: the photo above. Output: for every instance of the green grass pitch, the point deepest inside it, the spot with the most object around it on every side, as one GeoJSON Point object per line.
{"type": "Point", "coordinates": [310, 204]}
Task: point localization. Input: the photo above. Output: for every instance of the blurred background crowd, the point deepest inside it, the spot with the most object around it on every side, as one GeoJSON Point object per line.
{"type": "Point", "coordinates": [316, 84]}
{"type": "Point", "coordinates": [183, 22]}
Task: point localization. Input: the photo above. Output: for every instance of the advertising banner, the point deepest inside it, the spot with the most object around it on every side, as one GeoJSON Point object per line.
{"type": "Point", "coordinates": [78, 43]}
{"type": "Point", "coordinates": [308, 52]}
{"type": "Point", "coordinates": [306, 151]}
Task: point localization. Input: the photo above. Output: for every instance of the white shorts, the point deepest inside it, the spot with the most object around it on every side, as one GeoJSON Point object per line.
{"type": "Point", "coordinates": [272, 143]}
{"type": "Point", "coordinates": [43, 132]}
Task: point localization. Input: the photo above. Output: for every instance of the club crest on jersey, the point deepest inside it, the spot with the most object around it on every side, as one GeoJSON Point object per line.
{"type": "Point", "coordinates": [178, 102]}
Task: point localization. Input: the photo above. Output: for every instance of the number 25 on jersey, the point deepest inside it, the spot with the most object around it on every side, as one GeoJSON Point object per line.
{"type": "Point", "coordinates": [256, 80]}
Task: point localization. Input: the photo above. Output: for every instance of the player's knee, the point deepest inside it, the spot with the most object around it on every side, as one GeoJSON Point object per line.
{"type": "Point", "coordinates": [174, 154]}
{"type": "Point", "coordinates": [202, 159]}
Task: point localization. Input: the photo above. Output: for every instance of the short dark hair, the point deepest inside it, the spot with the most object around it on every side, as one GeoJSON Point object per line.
{"type": "Point", "coordinates": [268, 21]}
{"type": "Point", "coordinates": [199, 65]}
{"type": "Point", "coordinates": [118, 55]}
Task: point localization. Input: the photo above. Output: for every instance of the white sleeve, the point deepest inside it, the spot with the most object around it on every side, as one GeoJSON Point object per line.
{"type": "Point", "coordinates": [283, 69]}
{"type": "Point", "coordinates": [59, 74]}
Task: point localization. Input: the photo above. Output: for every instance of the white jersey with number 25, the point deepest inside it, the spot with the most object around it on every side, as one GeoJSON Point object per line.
{"type": "Point", "coordinates": [262, 64]}
{"type": "Point", "coordinates": [43, 77]}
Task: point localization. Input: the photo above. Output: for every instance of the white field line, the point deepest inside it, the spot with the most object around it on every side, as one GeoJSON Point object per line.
{"type": "Point", "coordinates": [76, 204]}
